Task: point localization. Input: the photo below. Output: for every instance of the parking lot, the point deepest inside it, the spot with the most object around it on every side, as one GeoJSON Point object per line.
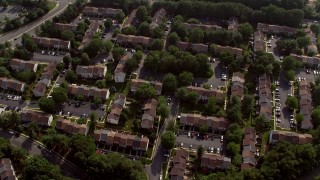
{"type": "Point", "coordinates": [196, 142]}
{"type": "Point", "coordinates": [47, 57]}
{"type": "Point", "coordinates": [284, 89]}
{"type": "Point", "coordinates": [216, 80]}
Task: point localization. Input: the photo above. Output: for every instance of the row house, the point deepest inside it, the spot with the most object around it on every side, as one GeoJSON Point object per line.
{"type": "Point", "coordinates": [111, 138]}
{"type": "Point", "coordinates": [37, 117]}
{"type": "Point", "coordinates": [116, 109]}
{"type": "Point", "coordinates": [101, 12]}
{"type": "Point", "coordinates": [249, 149]}
{"type": "Point", "coordinates": [129, 20]}
{"type": "Point", "coordinates": [215, 162]}
{"type": "Point", "coordinates": [276, 29]}
{"type": "Point", "coordinates": [66, 27]}
{"type": "Point", "coordinates": [136, 83]}
{"type": "Point", "coordinates": [205, 27]}
{"type": "Point", "coordinates": [215, 123]}
{"type": "Point", "coordinates": [205, 94]}
{"type": "Point", "coordinates": [22, 65]}
{"type": "Point", "coordinates": [232, 50]}
{"type": "Point", "coordinates": [134, 40]}
{"type": "Point", "coordinates": [259, 43]}
{"type": "Point", "coordinates": [52, 43]}
{"type": "Point", "coordinates": [305, 103]}
{"type": "Point", "coordinates": [45, 80]}
{"type": "Point", "coordinates": [91, 72]}
{"type": "Point", "coordinates": [89, 34]}
{"type": "Point", "coordinates": [291, 137]}
{"type": "Point", "coordinates": [6, 170]}
{"type": "Point", "coordinates": [119, 72]}
{"type": "Point", "coordinates": [70, 127]}
{"type": "Point", "coordinates": [196, 47]}
{"type": "Point", "coordinates": [265, 97]}
{"type": "Point", "coordinates": [88, 92]}
{"type": "Point", "coordinates": [157, 18]}
{"type": "Point", "coordinates": [12, 84]}
{"type": "Point", "coordinates": [237, 85]}
{"type": "Point", "coordinates": [313, 61]}
{"type": "Point", "coordinates": [179, 165]}
{"type": "Point", "coordinates": [150, 113]}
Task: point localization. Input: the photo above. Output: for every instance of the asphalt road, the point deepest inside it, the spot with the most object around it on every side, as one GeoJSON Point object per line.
{"type": "Point", "coordinates": [284, 89]}
{"type": "Point", "coordinates": [215, 80]}
{"type": "Point", "coordinates": [34, 149]}
{"type": "Point", "coordinates": [31, 26]}
{"type": "Point", "coordinates": [154, 170]}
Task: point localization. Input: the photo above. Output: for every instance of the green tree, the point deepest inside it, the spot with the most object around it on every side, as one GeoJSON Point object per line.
{"type": "Point", "coordinates": [303, 42]}
{"type": "Point", "coordinates": [93, 123]}
{"type": "Point", "coordinates": [131, 64]}
{"type": "Point", "coordinates": [142, 13]}
{"type": "Point", "coordinates": [290, 63]}
{"type": "Point", "coordinates": [4, 4]}
{"type": "Point", "coordinates": [47, 104]}
{"type": "Point", "coordinates": [299, 118]}
{"type": "Point", "coordinates": [85, 60]}
{"type": "Point", "coordinates": [145, 91]}
{"type": "Point", "coordinates": [172, 126]}
{"type": "Point", "coordinates": [233, 148]}
{"type": "Point", "coordinates": [234, 133]}
{"type": "Point", "coordinates": [93, 48]}
{"type": "Point", "coordinates": [144, 29]}
{"type": "Point", "coordinates": [185, 78]}
{"type": "Point", "coordinates": [316, 117]}
{"type": "Point", "coordinates": [67, 35]}
{"type": "Point", "coordinates": [163, 110]}
{"type": "Point", "coordinates": [97, 101]}
{"type": "Point", "coordinates": [246, 30]}
{"type": "Point", "coordinates": [168, 140]}
{"type": "Point", "coordinates": [118, 53]}
{"type": "Point", "coordinates": [193, 97]}
{"type": "Point", "coordinates": [28, 43]}
{"type": "Point", "coordinates": [234, 110]}
{"type": "Point", "coordinates": [290, 75]}
{"type": "Point", "coordinates": [204, 129]}
{"type": "Point", "coordinates": [36, 167]}
{"type": "Point", "coordinates": [25, 76]}
{"type": "Point", "coordinates": [170, 83]}
{"type": "Point", "coordinates": [200, 152]}
{"type": "Point", "coordinates": [71, 76]}
{"type": "Point", "coordinates": [248, 105]}
{"type": "Point", "coordinates": [196, 35]}
{"type": "Point", "coordinates": [292, 102]}
{"type": "Point", "coordinates": [59, 95]}
{"type": "Point", "coordinates": [120, 17]}
{"type": "Point", "coordinates": [173, 38]}
{"type": "Point", "coordinates": [157, 45]}
{"type": "Point", "coordinates": [4, 72]}
{"type": "Point", "coordinates": [316, 96]}
{"type": "Point", "coordinates": [226, 58]}
{"type": "Point", "coordinates": [66, 60]}
{"type": "Point", "coordinates": [261, 123]}
{"type": "Point", "coordinates": [211, 107]}
{"type": "Point", "coordinates": [107, 46]}
{"type": "Point", "coordinates": [108, 23]}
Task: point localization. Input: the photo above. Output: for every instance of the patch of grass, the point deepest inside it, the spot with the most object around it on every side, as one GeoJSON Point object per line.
{"type": "Point", "coordinates": [164, 169]}
{"type": "Point", "coordinates": [265, 139]}
{"type": "Point", "coordinates": [51, 4]}
{"type": "Point", "coordinates": [82, 121]}
{"type": "Point", "coordinates": [128, 125]}
{"type": "Point", "coordinates": [190, 108]}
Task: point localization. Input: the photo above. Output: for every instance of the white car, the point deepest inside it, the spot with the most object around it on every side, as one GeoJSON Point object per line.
{"type": "Point", "coordinates": [218, 150]}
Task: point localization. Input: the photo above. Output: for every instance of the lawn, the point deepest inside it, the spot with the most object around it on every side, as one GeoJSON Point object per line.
{"type": "Point", "coordinates": [265, 139]}
{"type": "Point", "coordinates": [51, 4]}
{"type": "Point", "coordinates": [189, 108]}
{"type": "Point", "coordinates": [128, 125]}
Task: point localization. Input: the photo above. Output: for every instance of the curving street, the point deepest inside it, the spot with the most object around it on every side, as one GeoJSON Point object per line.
{"type": "Point", "coordinates": [33, 148]}
{"type": "Point", "coordinates": [10, 36]}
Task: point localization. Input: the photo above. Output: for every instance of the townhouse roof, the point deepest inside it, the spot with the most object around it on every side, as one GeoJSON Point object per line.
{"type": "Point", "coordinates": [40, 88]}
{"type": "Point", "coordinates": [130, 19]}
{"type": "Point", "coordinates": [39, 118]}
{"type": "Point", "coordinates": [122, 38]}
{"type": "Point", "coordinates": [233, 50]}
{"type": "Point", "coordinates": [63, 27]}
{"type": "Point", "coordinates": [87, 91]}
{"type": "Point", "coordinates": [19, 64]}
{"type": "Point", "coordinates": [199, 120]}
{"type": "Point", "coordinates": [121, 139]}
{"type": "Point", "coordinates": [198, 47]}
{"type": "Point", "coordinates": [52, 42]}
{"type": "Point", "coordinates": [213, 161]}
{"type": "Point", "coordinates": [157, 18]}
{"type": "Point", "coordinates": [100, 11]}
{"type": "Point", "coordinates": [12, 84]}
{"type": "Point", "coordinates": [136, 83]}
{"type": "Point", "coordinates": [204, 27]}
{"type": "Point", "coordinates": [6, 170]}
{"type": "Point", "coordinates": [71, 127]}
{"type": "Point", "coordinates": [270, 28]}
{"type": "Point", "coordinates": [94, 71]}
{"type": "Point", "coordinates": [291, 137]}
{"type": "Point", "coordinates": [179, 163]}
{"type": "Point", "coordinates": [207, 92]}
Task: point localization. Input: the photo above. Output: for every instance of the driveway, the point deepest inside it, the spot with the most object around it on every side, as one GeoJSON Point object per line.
{"type": "Point", "coordinates": [32, 148]}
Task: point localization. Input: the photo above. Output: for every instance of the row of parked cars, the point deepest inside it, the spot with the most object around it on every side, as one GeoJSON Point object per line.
{"type": "Point", "coordinates": [14, 98]}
